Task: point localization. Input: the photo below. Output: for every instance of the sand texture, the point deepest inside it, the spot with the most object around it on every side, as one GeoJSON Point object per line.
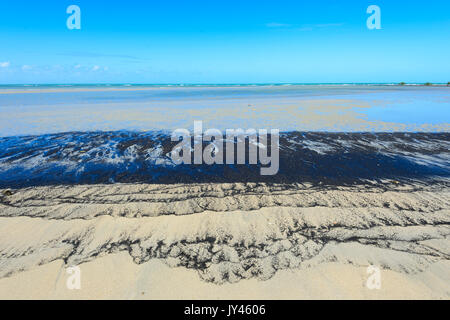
{"type": "Point", "coordinates": [236, 240]}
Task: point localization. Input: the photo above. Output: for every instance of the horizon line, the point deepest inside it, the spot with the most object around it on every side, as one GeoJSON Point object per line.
{"type": "Point", "coordinates": [222, 84]}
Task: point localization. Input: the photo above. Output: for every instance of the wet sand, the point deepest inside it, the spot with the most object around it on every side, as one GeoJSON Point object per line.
{"type": "Point", "coordinates": [319, 158]}
{"type": "Point", "coordinates": [339, 108]}
{"type": "Point", "coordinates": [139, 226]}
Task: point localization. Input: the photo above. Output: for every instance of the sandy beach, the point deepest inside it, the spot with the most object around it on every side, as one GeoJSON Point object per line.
{"type": "Point", "coordinates": [225, 150]}
{"type": "Point", "coordinates": [219, 241]}
{"type": "Point", "coordinates": [344, 206]}
{"type": "Point", "coordinates": [339, 108]}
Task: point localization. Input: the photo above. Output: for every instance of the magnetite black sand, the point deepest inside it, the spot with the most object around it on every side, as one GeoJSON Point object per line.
{"type": "Point", "coordinates": [278, 239]}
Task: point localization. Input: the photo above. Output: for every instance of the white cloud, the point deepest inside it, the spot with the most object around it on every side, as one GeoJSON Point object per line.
{"type": "Point", "coordinates": [320, 26]}
{"type": "Point", "coordinates": [277, 25]}
{"type": "Point", "coordinates": [308, 27]}
{"type": "Point", "coordinates": [5, 64]}
{"type": "Point", "coordinates": [328, 25]}
{"type": "Point", "coordinates": [78, 66]}
{"type": "Point", "coordinates": [26, 67]}
{"type": "Point", "coordinates": [99, 68]}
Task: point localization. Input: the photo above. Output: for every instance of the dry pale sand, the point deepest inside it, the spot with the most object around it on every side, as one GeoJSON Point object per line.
{"type": "Point", "coordinates": [116, 276]}
{"type": "Point", "coordinates": [226, 241]}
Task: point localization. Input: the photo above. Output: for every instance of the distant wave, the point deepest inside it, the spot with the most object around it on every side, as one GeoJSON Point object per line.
{"type": "Point", "coordinates": [18, 86]}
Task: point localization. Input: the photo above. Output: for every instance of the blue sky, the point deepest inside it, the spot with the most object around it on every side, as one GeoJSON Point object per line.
{"type": "Point", "coordinates": [230, 41]}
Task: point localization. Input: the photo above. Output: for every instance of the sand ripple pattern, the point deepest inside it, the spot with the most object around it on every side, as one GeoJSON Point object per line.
{"type": "Point", "coordinates": [228, 232]}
